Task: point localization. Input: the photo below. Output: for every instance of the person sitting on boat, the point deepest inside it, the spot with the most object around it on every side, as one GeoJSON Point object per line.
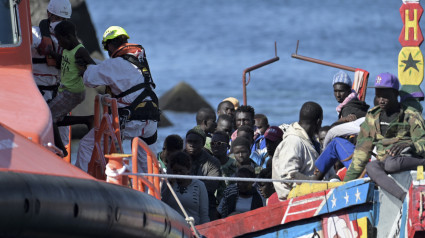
{"type": "Point", "coordinates": [266, 188]}
{"type": "Point", "coordinates": [226, 108]}
{"type": "Point", "coordinates": [261, 124]}
{"type": "Point", "coordinates": [244, 115]}
{"type": "Point", "coordinates": [398, 133]}
{"type": "Point", "coordinates": [71, 90]}
{"type": "Point", "coordinates": [127, 78]}
{"type": "Point", "coordinates": [273, 137]}
{"type": "Point", "coordinates": [219, 147]}
{"type": "Point", "coordinates": [203, 164]}
{"type": "Point", "coordinates": [225, 124]}
{"type": "Point", "coordinates": [350, 107]}
{"type": "Point", "coordinates": [241, 196]}
{"type": "Point", "coordinates": [192, 193]}
{"type": "Point", "coordinates": [322, 135]}
{"type": "Point", "coordinates": [248, 133]}
{"type": "Point", "coordinates": [241, 150]}
{"type": "Point", "coordinates": [298, 149]}
{"type": "Point", "coordinates": [172, 143]}
{"type": "Point", "coordinates": [235, 103]}
{"type": "Point", "coordinates": [351, 114]}
{"type": "Point", "coordinates": [206, 121]}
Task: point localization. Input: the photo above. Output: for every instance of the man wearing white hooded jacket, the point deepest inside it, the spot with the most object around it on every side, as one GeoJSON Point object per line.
{"type": "Point", "coordinates": [127, 78]}
{"type": "Point", "coordinates": [298, 149]}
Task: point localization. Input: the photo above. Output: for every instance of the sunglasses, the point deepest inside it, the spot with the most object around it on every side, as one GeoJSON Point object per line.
{"type": "Point", "coordinates": [218, 143]}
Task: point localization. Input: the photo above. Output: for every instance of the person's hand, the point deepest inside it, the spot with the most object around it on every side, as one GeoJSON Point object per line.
{"type": "Point", "coordinates": [398, 148]}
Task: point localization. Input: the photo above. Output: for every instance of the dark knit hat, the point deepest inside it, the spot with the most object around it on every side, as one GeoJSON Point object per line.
{"type": "Point", "coordinates": [198, 131]}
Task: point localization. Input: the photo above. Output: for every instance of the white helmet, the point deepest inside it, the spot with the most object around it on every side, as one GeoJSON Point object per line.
{"type": "Point", "coordinates": [61, 8]}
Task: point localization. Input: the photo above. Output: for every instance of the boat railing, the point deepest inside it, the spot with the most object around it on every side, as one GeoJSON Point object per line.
{"type": "Point", "coordinates": [152, 167]}
{"type": "Point", "coordinates": [252, 68]}
{"type": "Point", "coordinates": [106, 129]}
{"type": "Point", "coordinates": [361, 76]}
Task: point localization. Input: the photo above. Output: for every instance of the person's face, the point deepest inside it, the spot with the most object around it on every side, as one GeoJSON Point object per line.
{"type": "Point", "coordinates": [224, 125]}
{"type": "Point", "coordinates": [241, 155]}
{"type": "Point", "coordinates": [243, 118]}
{"type": "Point", "coordinates": [165, 154]}
{"type": "Point", "coordinates": [322, 135]}
{"type": "Point", "coordinates": [194, 144]}
{"type": "Point", "coordinates": [226, 108]}
{"type": "Point", "coordinates": [179, 169]}
{"type": "Point", "coordinates": [261, 125]}
{"type": "Point", "coordinates": [245, 187]}
{"type": "Point", "coordinates": [248, 136]}
{"type": "Point", "coordinates": [266, 189]}
{"type": "Point", "coordinates": [341, 91]}
{"type": "Point", "coordinates": [53, 18]}
{"type": "Point", "coordinates": [210, 125]}
{"type": "Point", "coordinates": [386, 98]}
{"type": "Point", "coordinates": [219, 145]}
{"type": "Point", "coordinates": [63, 42]}
{"type": "Point", "coordinates": [271, 146]}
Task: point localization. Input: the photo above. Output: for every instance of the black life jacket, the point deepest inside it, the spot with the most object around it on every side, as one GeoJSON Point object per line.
{"type": "Point", "coordinates": [139, 109]}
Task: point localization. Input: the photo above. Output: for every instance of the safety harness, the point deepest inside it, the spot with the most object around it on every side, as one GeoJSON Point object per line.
{"type": "Point", "coordinates": [140, 109]}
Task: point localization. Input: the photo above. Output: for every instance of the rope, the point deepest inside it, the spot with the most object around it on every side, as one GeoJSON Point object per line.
{"type": "Point", "coordinates": [236, 179]}
{"type": "Point", "coordinates": [188, 219]}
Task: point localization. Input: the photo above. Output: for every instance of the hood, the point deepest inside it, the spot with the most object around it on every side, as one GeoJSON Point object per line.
{"type": "Point", "coordinates": [297, 130]}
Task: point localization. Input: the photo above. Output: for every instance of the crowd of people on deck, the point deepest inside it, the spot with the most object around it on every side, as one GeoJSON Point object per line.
{"type": "Point", "coordinates": [233, 140]}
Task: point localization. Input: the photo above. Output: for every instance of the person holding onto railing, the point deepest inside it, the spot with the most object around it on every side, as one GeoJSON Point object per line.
{"type": "Point", "coordinates": [192, 193]}
{"type": "Point", "coordinates": [397, 131]}
{"type": "Point", "coordinates": [127, 78]}
{"type": "Point", "coordinates": [71, 91]}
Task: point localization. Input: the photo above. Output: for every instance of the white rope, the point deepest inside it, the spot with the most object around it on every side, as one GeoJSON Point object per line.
{"type": "Point", "coordinates": [236, 179]}
{"type": "Point", "coordinates": [188, 219]}
{"type": "Point", "coordinates": [113, 174]}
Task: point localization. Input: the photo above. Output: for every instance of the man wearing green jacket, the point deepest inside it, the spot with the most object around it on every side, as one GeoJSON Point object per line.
{"type": "Point", "coordinates": [396, 130]}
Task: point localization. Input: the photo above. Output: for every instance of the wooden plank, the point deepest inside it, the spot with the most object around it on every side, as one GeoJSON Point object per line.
{"type": "Point", "coordinates": [410, 66]}
{"type": "Point", "coordinates": [411, 34]}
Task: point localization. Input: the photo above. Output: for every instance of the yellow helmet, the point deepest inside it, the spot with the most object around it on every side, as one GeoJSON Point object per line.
{"type": "Point", "coordinates": [113, 32]}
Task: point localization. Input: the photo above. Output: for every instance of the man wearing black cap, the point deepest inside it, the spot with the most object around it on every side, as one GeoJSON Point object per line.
{"type": "Point", "coordinates": [203, 164]}
{"type": "Point", "coordinates": [396, 130]}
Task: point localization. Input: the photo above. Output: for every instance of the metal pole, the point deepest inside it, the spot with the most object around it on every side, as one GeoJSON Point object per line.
{"type": "Point", "coordinates": [317, 61]}
{"type": "Point", "coordinates": [252, 68]}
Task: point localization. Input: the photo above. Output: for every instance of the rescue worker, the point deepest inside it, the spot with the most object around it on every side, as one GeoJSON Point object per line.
{"type": "Point", "coordinates": [128, 79]}
{"type": "Point", "coordinates": [46, 68]}
{"type": "Point", "coordinates": [46, 55]}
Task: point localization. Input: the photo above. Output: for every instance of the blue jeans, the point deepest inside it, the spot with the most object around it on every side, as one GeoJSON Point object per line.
{"type": "Point", "coordinates": [337, 149]}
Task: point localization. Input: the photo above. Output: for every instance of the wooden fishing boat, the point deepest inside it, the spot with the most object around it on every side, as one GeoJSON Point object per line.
{"type": "Point", "coordinates": [357, 208]}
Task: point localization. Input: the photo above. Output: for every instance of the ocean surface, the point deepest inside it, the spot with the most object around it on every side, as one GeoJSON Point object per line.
{"type": "Point", "coordinates": [208, 44]}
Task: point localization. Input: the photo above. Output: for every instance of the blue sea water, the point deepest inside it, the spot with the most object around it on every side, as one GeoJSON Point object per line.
{"type": "Point", "coordinates": [208, 44]}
